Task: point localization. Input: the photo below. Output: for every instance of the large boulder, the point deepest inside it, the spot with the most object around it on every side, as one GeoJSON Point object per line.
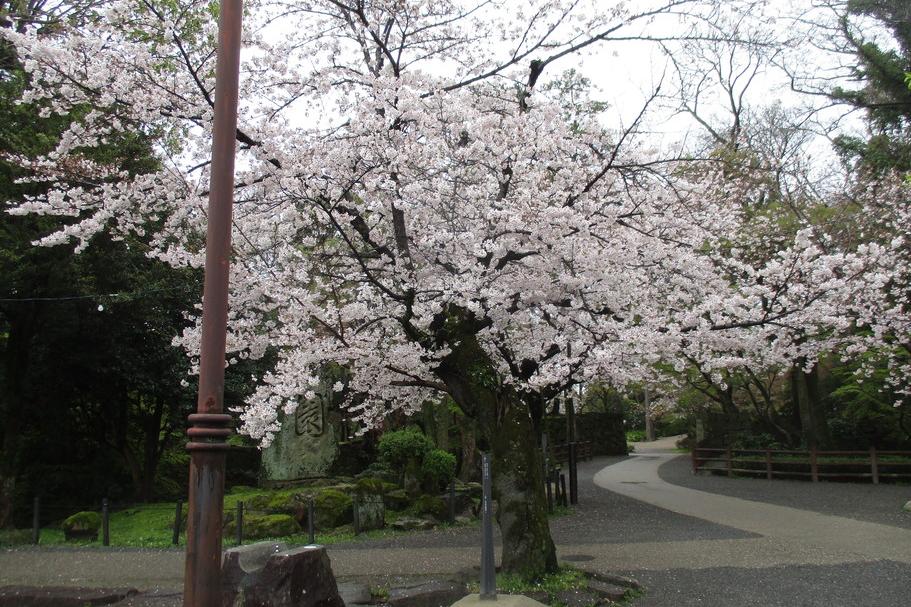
{"type": "Point", "coordinates": [333, 509]}
{"type": "Point", "coordinates": [82, 526]}
{"type": "Point", "coordinates": [270, 575]}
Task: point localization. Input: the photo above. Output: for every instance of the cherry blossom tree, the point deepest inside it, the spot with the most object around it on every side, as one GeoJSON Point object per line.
{"type": "Point", "coordinates": [411, 204]}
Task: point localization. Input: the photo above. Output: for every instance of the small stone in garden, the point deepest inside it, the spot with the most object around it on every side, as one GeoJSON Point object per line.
{"type": "Point", "coordinates": [907, 507]}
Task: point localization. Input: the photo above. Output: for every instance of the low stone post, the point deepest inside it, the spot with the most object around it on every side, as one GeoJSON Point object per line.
{"type": "Point", "coordinates": [563, 499]}
{"type": "Point", "coordinates": [768, 464]}
{"type": "Point", "coordinates": [814, 466]}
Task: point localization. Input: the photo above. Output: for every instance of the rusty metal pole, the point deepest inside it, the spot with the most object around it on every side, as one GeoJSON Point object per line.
{"type": "Point", "coordinates": [209, 425]}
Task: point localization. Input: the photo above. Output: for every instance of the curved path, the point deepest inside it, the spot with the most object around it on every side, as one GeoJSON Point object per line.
{"type": "Point", "coordinates": [788, 535]}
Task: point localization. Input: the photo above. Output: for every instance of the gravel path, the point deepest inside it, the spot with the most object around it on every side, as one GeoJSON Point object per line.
{"type": "Point", "coordinates": [682, 560]}
{"type": "Point", "coordinates": [863, 502]}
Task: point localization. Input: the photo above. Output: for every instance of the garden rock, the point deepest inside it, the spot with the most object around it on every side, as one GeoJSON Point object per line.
{"type": "Point", "coordinates": [267, 574]}
{"type": "Point", "coordinates": [907, 507]}
{"type": "Point", "coordinates": [412, 524]}
{"type": "Point", "coordinates": [431, 504]}
{"type": "Point", "coordinates": [396, 499]}
{"type": "Point", "coordinates": [371, 513]}
{"type": "Point", "coordinates": [354, 593]}
{"type": "Point", "coordinates": [59, 596]}
{"type": "Point", "coordinates": [333, 509]}
{"type": "Point", "coordinates": [82, 526]}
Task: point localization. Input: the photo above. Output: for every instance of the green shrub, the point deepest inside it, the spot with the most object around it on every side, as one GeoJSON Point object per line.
{"type": "Point", "coordinates": [82, 525]}
{"type": "Point", "coordinates": [261, 526]}
{"type": "Point", "coordinates": [438, 469]}
{"type": "Point", "coordinates": [403, 447]}
{"type": "Point", "coordinates": [333, 509]}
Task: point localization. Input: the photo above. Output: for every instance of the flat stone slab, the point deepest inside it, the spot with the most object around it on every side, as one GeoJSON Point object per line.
{"type": "Point", "coordinates": [503, 600]}
{"type": "Point", "coordinates": [427, 594]}
{"type": "Point", "coordinates": [354, 593]}
{"type": "Point", "coordinates": [61, 596]}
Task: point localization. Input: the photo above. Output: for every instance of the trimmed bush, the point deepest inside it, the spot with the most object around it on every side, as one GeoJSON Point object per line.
{"type": "Point", "coordinates": [333, 509]}
{"type": "Point", "coordinates": [401, 447]}
{"type": "Point", "coordinates": [82, 525]}
{"type": "Point", "coordinates": [396, 500]}
{"type": "Point", "coordinates": [438, 469]}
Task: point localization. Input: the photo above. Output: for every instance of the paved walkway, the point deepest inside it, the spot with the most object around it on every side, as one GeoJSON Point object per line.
{"type": "Point", "coordinates": [689, 547]}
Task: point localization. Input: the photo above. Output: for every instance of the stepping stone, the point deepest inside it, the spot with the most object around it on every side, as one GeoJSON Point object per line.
{"type": "Point", "coordinates": [354, 593]}
{"type": "Point", "coordinates": [61, 596]}
{"type": "Point", "coordinates": [608, 591]}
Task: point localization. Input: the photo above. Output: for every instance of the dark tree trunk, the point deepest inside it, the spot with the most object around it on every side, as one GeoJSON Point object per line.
{"type": "Point", "coordinates": [806, 398]}
{"type": "Point", "coordinates": [506, 429]}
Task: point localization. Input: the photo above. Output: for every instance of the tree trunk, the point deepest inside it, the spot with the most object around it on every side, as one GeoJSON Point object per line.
{"type": "Point", "coordinates": [505, 424]}
{"type": "Point", "coordinates": [649, 424]}
{"type": "Point", "coordinates": [806, 399]}
{"type": "Point", "coordinates": [469, 470]}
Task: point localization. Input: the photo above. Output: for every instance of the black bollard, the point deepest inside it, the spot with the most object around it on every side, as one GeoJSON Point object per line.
{"type": "Point", "coordinates": [178, 514]}
{"type": "Point", "coordinates": [452, 498]}
{"type": "Point", "coordinates": [311, 526]}
{"type": "Point", "coordinates": [550, 495]}
{"type": "Point", "coordinates": [573, 474]}
{"type": "Point", "coordinates": [488, 567]}
{"type": "Point", "coordinates": [105, 523]}
{"type": "Point", "coordinates": [356, 515]}
{"type": "Point", "coordinates": [36, 520]}
{"type": "Point", "coordinates": [563, 500]}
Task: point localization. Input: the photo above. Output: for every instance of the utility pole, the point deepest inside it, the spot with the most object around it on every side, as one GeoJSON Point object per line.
{"type": "Point", "coordinates": [209, 425]}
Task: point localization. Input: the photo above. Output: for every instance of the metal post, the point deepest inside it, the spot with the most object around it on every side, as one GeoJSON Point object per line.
{"type": "Point", "coordinates": [452, 501]}
{"type": "Point", "coordinates": [814, 466]}
{"type": "Point", "coordinates": [311, 525]}
{"type": "Point", "coordinates": [874, 466]}
{"type": "Point", "coordinates": [36, 520]}
{"type": "Point", "coordinates": [178, 514]}
{"type": "Point", "coordinates": [573, 474]}
{"type": "Point", "coordinates": [207, 446]}
{"type": "Point", "coordinates": [356, 516]}
{"type": "Point", "coordinates": [239, 527]}
{"type": "Point", "coordinates": [105, 523]}
{"type": "Point", "coordinates": [488, 568]}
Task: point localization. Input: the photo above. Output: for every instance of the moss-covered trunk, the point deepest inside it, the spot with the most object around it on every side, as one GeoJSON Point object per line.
{"type": "Point", "coordinates": [505, 429]}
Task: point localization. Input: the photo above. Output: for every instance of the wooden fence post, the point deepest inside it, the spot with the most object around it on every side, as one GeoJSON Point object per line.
{"type": "Point", "coordinates": [874, 466]}
{"type": "Point", "coordinates": [695, 460]}
{"type": "Point", "coordinates": [105, 523]}
{"type": "Point", "coordinates": [728, 463]}
{"type": "Point", "coordinates": [814, 466]}
{"type": "Point", "coordinates": [239, 519]}
{"type": "Point", "coordinates": [768, 464]}
{"type": "Point", "coordinates": [36, 520]}
{"type": "Point", "coordinates": [178, 514]}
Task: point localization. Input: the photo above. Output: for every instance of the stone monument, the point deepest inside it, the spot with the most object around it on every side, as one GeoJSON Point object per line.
{"type": "Point", "coordinates": [306, 447]}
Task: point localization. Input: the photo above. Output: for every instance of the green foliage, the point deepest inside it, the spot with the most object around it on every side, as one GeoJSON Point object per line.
{"type": "Point", "coordinates": [438, 469]}
{"type": "Point", "coordinates": [373, 486]}
{"type": "Point", "coordinates": [566, 578]}
{"type": "Point", "coordinates": [82, 521]}
{"type": "Point", "coordinates": [401, 447]}
{"type": "Point", "coordinates": [635, 436]}
{"type": "Point", "coordinates": [262, 526]}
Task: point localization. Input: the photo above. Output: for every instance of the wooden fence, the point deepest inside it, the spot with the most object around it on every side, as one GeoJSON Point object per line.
{"type": "Point", "coordinates": [560, 452]}
{"type": "Point", "coordinates": [872, 464]}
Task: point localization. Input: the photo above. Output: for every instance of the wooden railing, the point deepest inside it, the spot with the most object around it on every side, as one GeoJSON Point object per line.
{"type": "Point", "coordinates": [872, 464]}
{"type": "Point", "coordinates": [560, 452]}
